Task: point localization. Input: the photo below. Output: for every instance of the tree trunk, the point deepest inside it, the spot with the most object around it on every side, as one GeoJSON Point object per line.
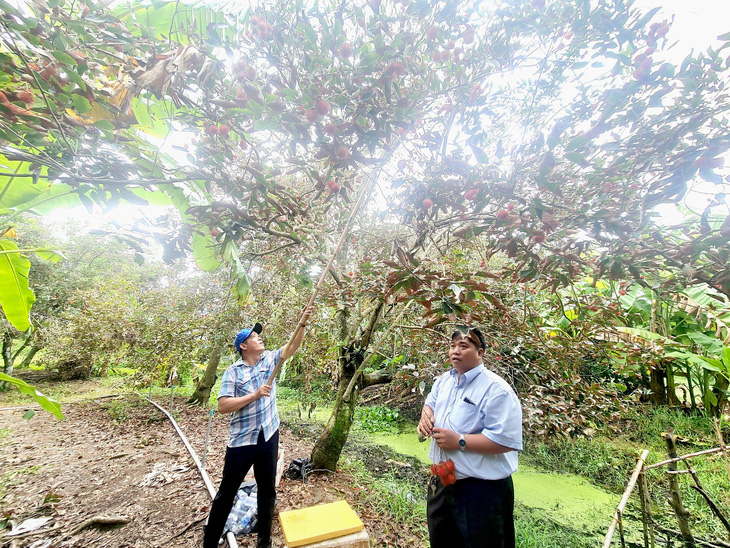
{"type": "Point", "coordinates": [201, 395]}
{"type": "Point", "coordinates": [327, 450]}
{"type": "Point", "coordinates": [30, 355]}
{"type": "Point", "coordinates": [7, 352]}
{"type": "Point", "coordinates": [658, 389]}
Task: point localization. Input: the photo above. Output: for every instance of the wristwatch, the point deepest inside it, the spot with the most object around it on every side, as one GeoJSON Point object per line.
{"type": "Point", "coordinates": [462, 442]}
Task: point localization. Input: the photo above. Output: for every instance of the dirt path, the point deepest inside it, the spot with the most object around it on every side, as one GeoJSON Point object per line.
{"type": "Point", "coordinates": [121, 457]}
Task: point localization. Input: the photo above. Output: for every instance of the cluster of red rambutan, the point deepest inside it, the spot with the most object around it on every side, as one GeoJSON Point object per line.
{"type": "Point", "coordinates": [445, 471]}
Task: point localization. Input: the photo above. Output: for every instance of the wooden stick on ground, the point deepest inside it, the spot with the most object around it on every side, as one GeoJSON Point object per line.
{"type": "Point", "coordinates": [99, 520]}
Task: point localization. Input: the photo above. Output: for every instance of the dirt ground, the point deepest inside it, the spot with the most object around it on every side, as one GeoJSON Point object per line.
{"type": "Point", "coordinates": [122, 458]}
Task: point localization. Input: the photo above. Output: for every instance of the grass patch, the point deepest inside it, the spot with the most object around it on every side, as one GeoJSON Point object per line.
{"type": "Point", "coordinates": [597, 460]}
{"type": "Point", "coordinates": [401, 500]}
{"type": "Point", "coordinates": [124, 371]}
{"type": "Point", "coordinates": [534, 531]}
{"type": "Point", "coordinates": [8, 479]}
{"type": "Point", "coordinates": [118, 411]}
{"type": "Point", "coordinates": [378, 418]}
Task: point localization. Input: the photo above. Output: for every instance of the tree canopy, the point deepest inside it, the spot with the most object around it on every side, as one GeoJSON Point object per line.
{"type": "Point", "coordinates": [505, 146]}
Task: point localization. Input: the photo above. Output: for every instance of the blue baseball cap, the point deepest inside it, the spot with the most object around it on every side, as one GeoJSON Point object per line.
{"type": "Point", "coordinates": [245, 334]}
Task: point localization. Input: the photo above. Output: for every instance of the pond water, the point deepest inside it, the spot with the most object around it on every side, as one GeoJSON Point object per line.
{"type": "Point", "coordinates": [566, 499]}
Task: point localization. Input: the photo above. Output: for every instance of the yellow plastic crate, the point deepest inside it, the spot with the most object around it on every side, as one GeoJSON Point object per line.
{"type": "Point", "coordinates": [318, 523]}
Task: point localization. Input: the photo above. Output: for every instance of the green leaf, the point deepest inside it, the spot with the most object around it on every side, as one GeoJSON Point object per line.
{"type": "Point", "coordinates": [576, 142]}
{"type": "Point", "coordinates": [691, 358]}
{"type": "Point", "coordinates": [151, 116]}
{"type": "Point", "coordinates": [49, 255]}
{"type": "Point", "coordinates": [81, 104]}
{"type": "Point", "coordinates": [242, 287]}
{"type": "Point", "coordinates": [205, 253]}
{"type": "Point", "coordinates": [16, 297]}
{"type": "Point", "coordinates": [45, 402]}
{"type": "Point", "coordinates": [8, 9]}
{"type": "Point", "coordinates": [479, 155]}
{"type": "Point", "coordinates": [152, 197]}
{"type": "Point", "coordinates": [104, 124]}
{"type": "Point", "coordinates": [369, 59]}
{"type": "Point", "coordinates": [29, 414]}
{"type": "Point", "coordinates": [64, 58]}
{"type": "Point", "coordinates": [308, 32]}
{"type": "Point", "coordinates": [709, 344]}
{"type": "Point", "coordinates": [15, 191]}
{"type": "Point", "coordinates": [645, 18]}
{"type": "Point", "coordinates": [260, 125]}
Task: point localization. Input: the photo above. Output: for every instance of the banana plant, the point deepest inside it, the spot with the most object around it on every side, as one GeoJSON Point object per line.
{"type": "Point", "coordinates": [16, 296]}
{"type": "Point", "coordinates": [45, 402]}
{"type": "Point", "coordinates": [690, 331]}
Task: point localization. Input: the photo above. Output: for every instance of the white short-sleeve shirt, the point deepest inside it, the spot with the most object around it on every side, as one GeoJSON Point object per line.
{"type": "Point", "coordinates": [479, 401]}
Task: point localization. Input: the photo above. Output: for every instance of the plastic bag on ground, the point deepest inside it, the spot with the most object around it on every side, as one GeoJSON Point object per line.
{"type": "Point", "coordinates": [242, 518]}
{"type": "Point", "coordinates": [299, 469]}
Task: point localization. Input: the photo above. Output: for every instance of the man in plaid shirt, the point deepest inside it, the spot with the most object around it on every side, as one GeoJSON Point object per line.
{"type": "Point", "coordinates": [254, 438]}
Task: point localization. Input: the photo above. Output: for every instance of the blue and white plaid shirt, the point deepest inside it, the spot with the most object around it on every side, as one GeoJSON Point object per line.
{"type": "Point", "coordinates": [240, 380]}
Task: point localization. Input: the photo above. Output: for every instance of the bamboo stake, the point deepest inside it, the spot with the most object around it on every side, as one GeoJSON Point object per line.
{"type": "Point", "coordinates": [625, 499]}
{"type": "Point", "coordinates": [644, 519]}
{"type": "Point", "coordinates": [363, 192]}
{"type": "Point", "coordinates": [647, 496]}
{"type": "Point", "coordinates": [687, 456]}
{"type": "Point", "coordinates": [723, 447]}
{"type": "Point", "coordinates": [675, 497]}
{"type": "Point", "coordinates": [207, 438]}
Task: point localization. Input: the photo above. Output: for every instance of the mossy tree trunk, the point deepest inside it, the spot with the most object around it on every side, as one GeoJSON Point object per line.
{"type": "Point", "coordinates": [328, 448]}
{"type": "Point", "coordinates": [201, 395]}
{"type": "Point", "coordinates": [28, 358]}
{"type": "Point", "coordinates": [7, 352]}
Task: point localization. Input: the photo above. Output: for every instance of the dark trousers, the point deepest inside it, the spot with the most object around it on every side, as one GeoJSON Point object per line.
{"type": "Point", "coordinates": [238, 462]}
{"type": "Point", "coordinates": [472, 513]}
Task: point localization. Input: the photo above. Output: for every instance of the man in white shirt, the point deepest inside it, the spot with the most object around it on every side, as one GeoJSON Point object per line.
{"type": "Point", "coordinates": [474, 420]}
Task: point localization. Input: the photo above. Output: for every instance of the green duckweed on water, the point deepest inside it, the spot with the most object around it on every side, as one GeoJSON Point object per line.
{"type": "Point", "coordinates": [564, 498]}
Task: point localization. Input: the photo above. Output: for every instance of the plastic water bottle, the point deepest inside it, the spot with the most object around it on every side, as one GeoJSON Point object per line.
{"type": "Point", "coordinates": [246, 519]}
